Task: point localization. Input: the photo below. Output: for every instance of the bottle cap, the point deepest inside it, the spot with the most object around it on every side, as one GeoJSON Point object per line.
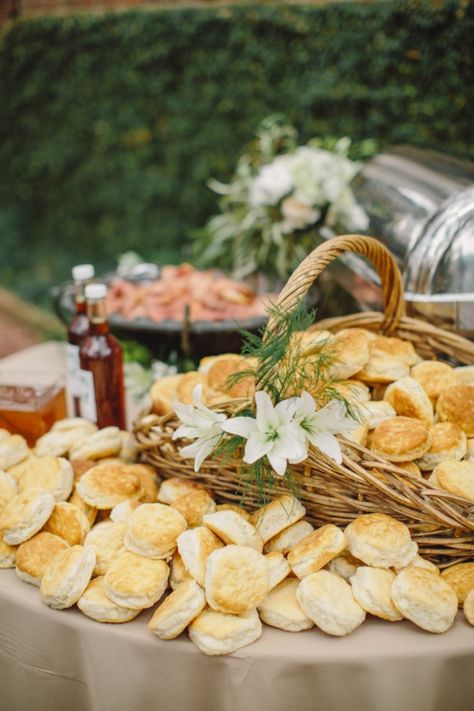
{"type": "Point", "coordinates": [95, 291]}
{"type": "Point", "coordinates": [82, 272]}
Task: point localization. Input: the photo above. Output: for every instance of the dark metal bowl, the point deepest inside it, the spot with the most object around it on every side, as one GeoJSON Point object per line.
{"type": "Point", "coordinates": [192, 339]}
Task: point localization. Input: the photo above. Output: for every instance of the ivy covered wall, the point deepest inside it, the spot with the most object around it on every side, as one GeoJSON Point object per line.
{"type": "Point", "coordinates": [110, 125]}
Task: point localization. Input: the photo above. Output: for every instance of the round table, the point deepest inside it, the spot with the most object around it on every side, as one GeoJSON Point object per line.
{"type": "Point", "coordinates": [62, 661]}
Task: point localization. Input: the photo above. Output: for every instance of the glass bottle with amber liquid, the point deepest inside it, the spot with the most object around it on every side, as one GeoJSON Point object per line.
{"type": "Point", "coordinates": [77, 331]}
{"type": "Point", "coordinates": [102, 389]}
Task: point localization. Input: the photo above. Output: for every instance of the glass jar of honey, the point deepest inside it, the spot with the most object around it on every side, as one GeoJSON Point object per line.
{"type": "Point", "coordinates": [30, 403]}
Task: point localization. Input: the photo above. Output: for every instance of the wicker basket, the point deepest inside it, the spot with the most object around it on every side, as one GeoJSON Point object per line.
{"type": "Point", "coordinates": [441, 523]}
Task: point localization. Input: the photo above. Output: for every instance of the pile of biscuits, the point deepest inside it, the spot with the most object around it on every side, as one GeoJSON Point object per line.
{"type": "Point", "coordinates": [104, 534]}
{"type": "Point", "coordinates": [417, 414]}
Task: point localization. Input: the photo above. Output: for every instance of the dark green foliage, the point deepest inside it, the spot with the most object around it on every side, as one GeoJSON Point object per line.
{"type": "Point", "coordinates": [111, 125]}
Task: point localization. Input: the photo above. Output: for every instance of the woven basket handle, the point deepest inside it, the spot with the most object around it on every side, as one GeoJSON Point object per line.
{"type": "Point", "coordinates": [310, 268]}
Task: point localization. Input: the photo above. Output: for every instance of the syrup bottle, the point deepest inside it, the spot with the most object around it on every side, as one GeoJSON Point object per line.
{"type": "Point", "coordinates": [77, 331]}
{"type": "Point", "coordinates": [102, 392]}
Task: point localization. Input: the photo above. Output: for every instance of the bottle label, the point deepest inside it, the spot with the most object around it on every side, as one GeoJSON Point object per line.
{"type": "Point", "coordinates": [87, 395]}
{"type": "Point", "coordinates": [73, 368]}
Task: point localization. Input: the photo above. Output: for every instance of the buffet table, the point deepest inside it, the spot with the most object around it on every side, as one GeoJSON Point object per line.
{"type": "Point", "coordinates": [53, 661]}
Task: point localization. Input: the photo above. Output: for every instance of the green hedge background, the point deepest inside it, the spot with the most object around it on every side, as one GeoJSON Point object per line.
{"type": "Point", "coordinates": [110, 125]}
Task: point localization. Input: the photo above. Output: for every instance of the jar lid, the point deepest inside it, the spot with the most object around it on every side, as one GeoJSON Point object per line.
{"type": "Point", "coordinates": [95, 291]}
{"type": "Point", "coordinates": [81, 272]}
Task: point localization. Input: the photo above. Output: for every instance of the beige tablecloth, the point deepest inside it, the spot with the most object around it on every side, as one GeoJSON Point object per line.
{"type": "Point", "coordinates": [62, 661]}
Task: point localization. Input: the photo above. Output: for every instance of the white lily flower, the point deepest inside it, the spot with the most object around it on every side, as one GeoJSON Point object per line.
{"type": "Point", "coordinates": [272, 433]}
{"type": "Point", "coordinates": [320, 426]}
{"type": "Point", "coordinates": [199, 423]}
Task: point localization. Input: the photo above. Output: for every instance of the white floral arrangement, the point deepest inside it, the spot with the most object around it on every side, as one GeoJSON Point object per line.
{"type": "Point", "coordinates": [282, 433]}
{"type": "Point", "coordinates": [280, 200]}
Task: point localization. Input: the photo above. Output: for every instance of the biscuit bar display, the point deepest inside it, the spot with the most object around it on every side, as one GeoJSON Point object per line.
{"type": "Point", "coordinates": [216, 570]}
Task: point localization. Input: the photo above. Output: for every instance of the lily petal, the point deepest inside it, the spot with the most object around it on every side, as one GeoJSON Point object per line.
{"type": "Point", "coordinates": [257, 447]}
{"type": "Point", "coordinates": [279, 464]}
{"type": "Point", "coordinates": [242, 426]}
{"type": "Point", "coordinates": [265, 415]}
{"type": "Point", "coordinates": [327, 443]}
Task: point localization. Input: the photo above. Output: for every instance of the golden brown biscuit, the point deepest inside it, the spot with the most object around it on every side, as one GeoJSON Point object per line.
{"type": "Point", "coordinates": [149, 481]}
{"type": "Point", "coordinates": [194, 506]}
{"type": "Point", "coordinates": [448, 441]}
{"type": "Point", "coordinates": [231, 527]}
{"type": "Point", "coordinates": [13, 450]}
{"type": "Point", "coordinates": [163, 394]}
{"type": "Point", "coordinates": [349, 352]}
{"type": "Point", "coordinates": [178, 573]}
{"type": "Point", "coordinates": [345, 565]}
{"type": "Point", "coordinates": [95, 604]}
{"type": "Point", "coordinates": [373, 413]}
{"type": "Point", "coordinates": [107, 540]}
{"type": "Point", "coordinates": [456, 405]}
{"type": "Point", "coordinates": [461, 579]}
{"type": "Point", "coordinates": [186, 385]}
{"type": "Point", "coordinates": [67, 576]}
{"type": "Point", "coordinates": [400, 439]}
{"type": "Point", "coordinates": [63, 435]}
{"type": "Point", "coordinates": [8, 488]}
{"type": "Point", "coordinates": [391, 347]}
{"type": "Point", "coordinates": [103, 443]}
{"type": "Point", "coordinates": [277, 515]}
{"type": "Point", "coordinates": [136, 582]}
{"type": "Point", "coordinates": [434, 376]}
{"type": "Point", "coordinates": [411, 467]}
{"type": "Point", "coordinates": [358, 435]}
{"type": "Point", "coordinates": [468, 607]}
{"type": "Point", "coordinates": [90, 511]}
{"type": "Point", "coordinates": [106, 485]}
{"type": "Point", "coordinates": [123, 511]}
{"type": "Point", "coordinates": [284, 541]}
{"type": "Point", "coordinates": [74, 424]}
{"type": "Point", "coordinates": [178, 610]}
{"type": "Point", "coordinates": [456, 477]}
{"type": "Point", "coordinates": [425, 598]}
{"type": "Point", "coordinates": [174, 487]}
{"type": "Point", "coordinates": [381, 541]}
{"type": "Point", "coordinates": [316, 550]}
{"type": "Point", "coordinates": [234, 507]}
{"type": "Point", "coordinates": [464, 375]}
{"type": "Point", "coordinates": [18, 470]}
{"type": "Point", "coordinates": [128, 451]}
{"type": "Point", "coordinates": [25, 515]}
{"type": "Point", "coordinates": [278, 568]}
{"type": "Point", "coordinates": [34, 556]}
{"type": "Point", "coordinates": [309, 343]}
{"type": "Point", "coordinates": [354, 391]}
{"type": "Point", "coordinates": [217, 633]}
{"type": "Point", "coordinates": [153, 529]}
{"type": "Point", "coordinates": [53, 474]}
{"type": "Point", "coordinates": [7, 555]}
{"type": "Point", "coordinates": [68, 522]}
{"type": "Point", "coordinates": [281, 608]}
{"type": "Point", "coordinates": [419, 562]}
{"type": "Point", "coordinates": [371, 588]}
{"type": "Point", "coordinates": [220, 377]}
{"type": "Point", "coordinates": [328, 600]}
{"type": "Point", "coordinates": [408, 399]}
{"type": "Point", "coordinates": [236, 579]}
{"type": "Point", "coordinates": [381, 369]}
{"type": "Point", "coordinates": [195, 546]}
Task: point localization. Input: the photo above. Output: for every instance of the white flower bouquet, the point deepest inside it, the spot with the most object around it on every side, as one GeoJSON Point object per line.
{"type": "Point", "coordinates": [281, 199]}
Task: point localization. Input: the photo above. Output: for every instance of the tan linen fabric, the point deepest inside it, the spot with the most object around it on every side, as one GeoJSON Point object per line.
{"type": "Point", "coordinates": [63, 661]}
